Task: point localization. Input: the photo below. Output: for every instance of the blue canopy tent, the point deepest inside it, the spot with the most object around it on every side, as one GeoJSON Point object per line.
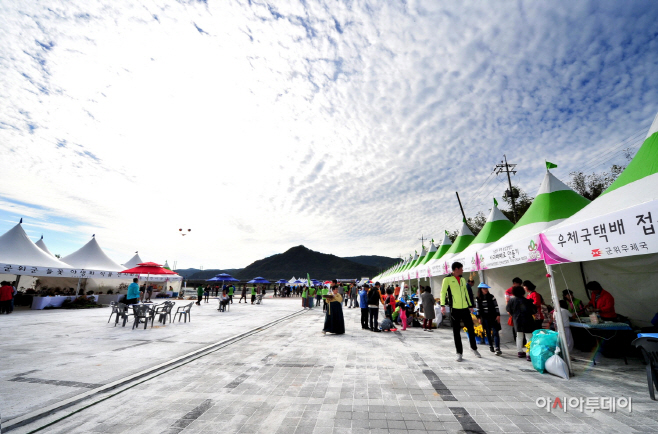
{"type": "Point", "coordinates": [259, 280]}
{"type": "Point", "coordinates": [223, 277]}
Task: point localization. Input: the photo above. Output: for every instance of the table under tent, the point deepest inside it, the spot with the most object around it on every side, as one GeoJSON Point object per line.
{"type": "Point", "coordinates": [564, 240]}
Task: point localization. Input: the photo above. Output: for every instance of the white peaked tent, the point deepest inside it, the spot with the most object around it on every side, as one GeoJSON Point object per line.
{"type": "Point", "coordinates": [617, 236]}
{"type": "Point", "coordinates": [92, 257]}
{"type": "Point", "coordinates": [554, 202]}
{"type": "Point", "coordinates": [454, 254]}
{"type": "Point", "coordinates": [495, 228]}
{"type": "Point", "coordinates": [133, 262]}
{"type": "Point", "coordinates": [422, 269]}
{"type": "Point", "coordinates": [16, 249]}
{"type": "Point", "coordinates": [434, 264]}
{"type": "Point", "coordinates": [40, 244]}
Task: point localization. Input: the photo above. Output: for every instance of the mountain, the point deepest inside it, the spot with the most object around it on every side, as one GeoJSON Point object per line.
{"type": "Point", "coordinates": [374, 261]}
{"type": "Point", "coordinates": [300, 260]}
{"type": "Point", "coordinates": [195, 273]}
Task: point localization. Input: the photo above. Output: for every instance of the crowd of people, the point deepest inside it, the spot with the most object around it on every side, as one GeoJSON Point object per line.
{"type": "Point", "coordinates": [527, 309]}
{"type": "Point", "coordinates": [256, 293]}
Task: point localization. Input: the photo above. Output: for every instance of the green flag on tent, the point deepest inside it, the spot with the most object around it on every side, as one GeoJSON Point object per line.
{"type": "Point", "coordinates": [495, 202]}
{"type": "Point", "coordinates": [550, 165]}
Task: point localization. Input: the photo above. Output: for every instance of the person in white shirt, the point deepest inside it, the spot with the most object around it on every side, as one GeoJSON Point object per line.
{"type": "Point", "coordinates": [566, 317]}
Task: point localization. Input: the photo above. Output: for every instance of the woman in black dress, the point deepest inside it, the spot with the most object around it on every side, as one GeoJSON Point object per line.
{"type": "Point", "coordinates": [334, 321]}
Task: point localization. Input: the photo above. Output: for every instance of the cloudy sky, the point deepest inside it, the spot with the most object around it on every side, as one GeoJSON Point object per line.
{"type": "Point", "coordinates": [343, 126]}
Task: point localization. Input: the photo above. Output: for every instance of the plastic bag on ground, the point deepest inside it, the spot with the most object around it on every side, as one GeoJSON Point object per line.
{"type": "Point", "coordinates": [545, 337]}
{"type": "Point", "coordinates": [556, 366]}
{"type": "Point", "coordinates": [542, 347]}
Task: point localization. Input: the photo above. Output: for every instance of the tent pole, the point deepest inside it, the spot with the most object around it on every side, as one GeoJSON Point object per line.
{"type": "Point", "coordinates": [558, 318]}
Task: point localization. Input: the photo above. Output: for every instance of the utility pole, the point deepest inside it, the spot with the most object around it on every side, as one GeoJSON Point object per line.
{"type": "Point", "coordinates": [460, 205]}
{"type": "Point", "coordinates": [508, 168]}
{"type": "Point", "coordinates": [422, 240]}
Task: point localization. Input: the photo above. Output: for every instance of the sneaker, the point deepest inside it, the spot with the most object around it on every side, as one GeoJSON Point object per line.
{"type": "Point", "coordinates": [528, 358]}
{"type": "Point", "coordinates": [498, 352]}
{"type": "Point", "coordinates": [323, 332]}
{"type": "Point", "coordinates": [520, 355]}
{"type": "Point", "coordinates": [430, 330]}
{"type": "Point", "coordinates": [491, 349]}
{"type": "Point", "coordinates": [476, 354]}
{"type": "Point", "coordinates": [377, 331]}
{"type": "Point", "coordinates": [458, 358]}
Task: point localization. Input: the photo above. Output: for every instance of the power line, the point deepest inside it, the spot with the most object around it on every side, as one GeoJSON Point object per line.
{"type": "Point", "coordinates": [613, 149]}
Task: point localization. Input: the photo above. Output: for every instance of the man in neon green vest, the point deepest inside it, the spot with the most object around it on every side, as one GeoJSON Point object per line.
{"type": "Point", "coordinates": [458, 295]}
{"type": "Point", "coordinates": [253, 294]}
{"type": "Point", "coordinates": [325, 291]}
{"type": "Point", "coordinates": [231, 290]}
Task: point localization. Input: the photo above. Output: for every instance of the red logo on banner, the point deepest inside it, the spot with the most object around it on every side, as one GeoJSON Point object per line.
{"type": "Point", "coordinates": [596, 252]}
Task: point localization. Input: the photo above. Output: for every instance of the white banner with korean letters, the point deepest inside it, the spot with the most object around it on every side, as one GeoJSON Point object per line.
{"type": "Point", "coordinates": [628, 232]}
{"type": "Point", "coordinates": [517, 252]}
{"type": "Point", "coordinates": [80, 273]}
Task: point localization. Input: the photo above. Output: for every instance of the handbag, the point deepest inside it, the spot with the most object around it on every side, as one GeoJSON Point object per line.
{"type": "Point", "coordinates": [510, 321]}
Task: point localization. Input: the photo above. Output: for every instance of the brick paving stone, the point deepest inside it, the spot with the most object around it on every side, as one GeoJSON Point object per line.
{"type": "Point", "coordinates": [292, 379]}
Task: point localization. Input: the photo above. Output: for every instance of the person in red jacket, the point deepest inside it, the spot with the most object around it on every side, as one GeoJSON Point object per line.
{"type": "Point", "coordinates": [601, 301]}
{"type": "Point", "coordinates": [6, 294]}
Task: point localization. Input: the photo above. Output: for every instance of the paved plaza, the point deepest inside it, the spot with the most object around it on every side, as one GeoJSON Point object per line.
{"type": "Point", "coordinates": [275, 372]}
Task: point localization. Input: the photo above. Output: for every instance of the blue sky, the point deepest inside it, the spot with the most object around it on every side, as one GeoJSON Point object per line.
{"type": "Point", "coordinates": [343, 126]}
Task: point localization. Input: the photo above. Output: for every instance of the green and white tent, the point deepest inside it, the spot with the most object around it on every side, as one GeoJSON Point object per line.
{"type": "Point", "coordinates": [621, 216]}
{"type": "Point", "coordinates": [464, 238]}
{"type": "Point", "coordinates": [495, 228]}
{"type": "Point", "coordinates": [617, 237]}
{"type": "Point", "coordinates": [554, 202]}
{"type": "Point", "coordinates": [435, 266]}
{"type": "Point", "coordinates": [422, 270]}
{"type": "Point", "coordinates": [406, 272]}
{"type": "Point", "coordinates": [413, 270]}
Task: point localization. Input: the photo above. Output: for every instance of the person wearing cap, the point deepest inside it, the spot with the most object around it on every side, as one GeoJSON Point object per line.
{"type": "Point", "coordinates": [489, 316]}
{"type": "Point", "coordinates": [601, 301]}
{"type": "Point", "coordinates": [456, 294]}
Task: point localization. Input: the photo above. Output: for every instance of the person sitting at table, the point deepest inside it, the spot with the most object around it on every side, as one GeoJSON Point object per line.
{"type": "Point", "coordinates": [574, 304]}
{"type": "Point", "coordinates": [601, 301]}
{"type": "Point", "coordinates": [132, 297]}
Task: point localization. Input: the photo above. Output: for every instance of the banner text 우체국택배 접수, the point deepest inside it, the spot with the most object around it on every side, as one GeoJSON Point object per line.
{"type": "Point", "coordinates": [628, 232]}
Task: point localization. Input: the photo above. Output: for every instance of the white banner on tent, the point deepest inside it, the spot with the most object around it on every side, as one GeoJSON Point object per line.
{"type": "Point", "coordinates": [78, 273]}
{"type": "Point", "coordinates": [439, 269]}
{"type": "Point", "coordinates": [518, 252]}
{"type": "Point", "coordinates": [628, 232]}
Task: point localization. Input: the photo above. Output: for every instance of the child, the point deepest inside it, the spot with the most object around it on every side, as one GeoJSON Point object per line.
{"type": "Point", "coordinates": [403, 312]}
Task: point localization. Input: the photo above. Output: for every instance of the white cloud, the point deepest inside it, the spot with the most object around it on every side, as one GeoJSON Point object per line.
{"type": "Point", "coordinates": [343, 126]}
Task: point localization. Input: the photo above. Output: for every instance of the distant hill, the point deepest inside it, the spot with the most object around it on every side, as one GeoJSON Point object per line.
{"type": "Point", "coordinates": [374, 261]}
{"type": "Point", "coordinates": [300, 260]}
{"type": "Point", "coordinates": [195, 273]}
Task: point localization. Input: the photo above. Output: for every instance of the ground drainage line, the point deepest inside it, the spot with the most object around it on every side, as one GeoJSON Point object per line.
{"type": "Point", "coordinates": [131, 381]}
